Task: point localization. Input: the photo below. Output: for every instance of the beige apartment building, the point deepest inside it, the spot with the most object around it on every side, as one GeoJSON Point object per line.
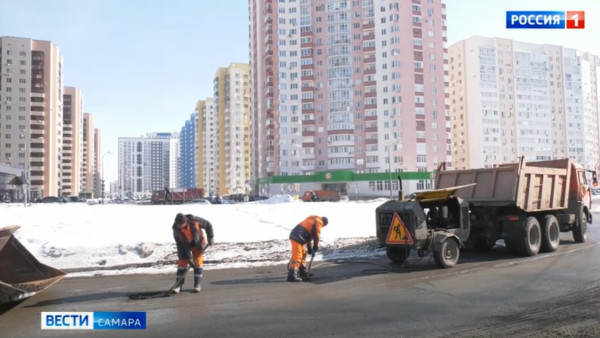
{"type": "Point", "coordinates": [510, 99]}
{"type": "Point", "coordinates": [91, 158]}
{"type": "Point", "coordinates": [72, 142]}
{"type": "Point", "coordinates": [31, 112]}
{"type": "Point", "coordinates": [207, 145]}
{"type": "Point", "coordinates": [223, 134]}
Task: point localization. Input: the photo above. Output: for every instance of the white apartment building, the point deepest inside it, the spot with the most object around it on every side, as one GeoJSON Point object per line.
{"type": "Point", "coordinates": [510, 99]}
{"type": "Point", "coordinates": [145, 163]}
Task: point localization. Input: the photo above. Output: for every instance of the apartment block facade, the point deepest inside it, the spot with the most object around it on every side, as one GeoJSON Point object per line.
{"type": "Point", "coordinates": [31, 112]}
{"type": "Point", "coordinates": [145, 163]}
{"type": "Point", "coordinates": [72, 133]}
{"type": "Point", "coordinates": [354, 85]}
{"type": "Point", "coordinates": [187, 153]}
{"type": "Point", "coordinates": [90, 162]}
{"type": "Point", "coordinates": [510, 99]}
{"type": "Point", "coordinates": [207, 150]}
{"type": "Point", "coordinates": [224, 145]}
{"type": "Point", "coordinates": [43, 128]}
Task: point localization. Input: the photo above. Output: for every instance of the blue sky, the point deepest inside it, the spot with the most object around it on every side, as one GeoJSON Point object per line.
{"type": "Point", "coordinates": [142, 65]}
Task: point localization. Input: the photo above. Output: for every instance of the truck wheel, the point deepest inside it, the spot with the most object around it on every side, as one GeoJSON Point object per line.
{"type": "Point", "coordinates": [580, 229]}
{"type": "Point", "coordinates": [398, 254]}
{"type": "Point", "coordinates": [447, 255]}
{"type": "Point", "coordinates": [526, 240]}
{"type": "Point", "coordinates": [550, 234]}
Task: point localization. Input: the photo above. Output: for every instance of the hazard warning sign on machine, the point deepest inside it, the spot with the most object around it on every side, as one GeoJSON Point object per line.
{"type": "Point", "coordinates": [398, 233]}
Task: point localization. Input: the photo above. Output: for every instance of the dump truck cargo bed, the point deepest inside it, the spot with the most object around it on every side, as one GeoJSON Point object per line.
{"type": "Point", "coordinates": [535, 186]}
{"type": "Point", "coordinates": [21, 274]}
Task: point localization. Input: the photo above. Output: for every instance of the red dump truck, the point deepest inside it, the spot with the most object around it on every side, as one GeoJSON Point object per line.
{"type": "Point", "coordinates": [176, 196]}
{"type": "Point", "coordinates": [527, 205]}
{"type": "Point", "coordinates": [321, 196]}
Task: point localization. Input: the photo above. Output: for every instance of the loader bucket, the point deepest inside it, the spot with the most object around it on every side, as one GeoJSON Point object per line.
{"type": "Point", "coordinates": [21, 274]}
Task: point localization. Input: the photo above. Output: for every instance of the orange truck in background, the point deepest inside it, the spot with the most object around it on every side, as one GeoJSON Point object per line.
{"type": "Point", "coordinates": [176, 196]}
{"type": "Point", "coordinates": [321, 196]}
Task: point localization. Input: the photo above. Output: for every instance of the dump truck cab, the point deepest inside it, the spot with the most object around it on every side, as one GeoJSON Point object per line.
{"type": "Point", "coordinates": [434, 221]}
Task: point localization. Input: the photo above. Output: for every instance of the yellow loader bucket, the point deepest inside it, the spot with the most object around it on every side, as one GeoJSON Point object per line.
{"type": "Point", "coordinates": [21, 274]}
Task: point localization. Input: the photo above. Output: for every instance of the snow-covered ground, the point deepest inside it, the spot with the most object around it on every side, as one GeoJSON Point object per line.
{"type": "Point", "coordinates": [109, 239]}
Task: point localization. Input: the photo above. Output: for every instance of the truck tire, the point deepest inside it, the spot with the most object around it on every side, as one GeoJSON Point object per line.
{"type": "Point", "coordinates": [550, 234]}
{"type": "Point", "coordinates": [398, 254]}
{"type": "Point", "coordinates": [580, 229]}
{"type": "Point", "coordinates": [448, 253]}
{"type": "Point", "coordinates": [527, 239]}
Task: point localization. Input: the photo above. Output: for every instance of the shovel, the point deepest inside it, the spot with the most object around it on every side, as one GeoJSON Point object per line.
{"type": "Point", "coordinates": [310, 264]}
{"type": "Point", "coordinates": [159, 294]}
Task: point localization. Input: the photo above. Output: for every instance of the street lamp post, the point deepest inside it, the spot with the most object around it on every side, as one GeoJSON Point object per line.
{"type": "Point", "coordinates": [102, 180]}
{"type": "Point", "coordinates": [390, 168]}
{"type": "Point", "coordinates": [27, 178]}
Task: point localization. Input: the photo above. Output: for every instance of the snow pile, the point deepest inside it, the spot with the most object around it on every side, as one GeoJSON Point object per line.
{"type": "Point", "coordinates": [102, 239]}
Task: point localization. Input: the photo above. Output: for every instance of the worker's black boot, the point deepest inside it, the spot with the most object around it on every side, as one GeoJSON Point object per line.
{"type": "Point", "coordinates": [197, 279]}
{"type": "Point", "coordinates": [293, 276]}
{"type": "Point", "coordinates": [181, 278]}
{"type": "Point", "coordinates": [303, 273]}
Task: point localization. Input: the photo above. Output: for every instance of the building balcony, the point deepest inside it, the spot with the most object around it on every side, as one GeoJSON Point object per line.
{"type": "Point", "coordinates": [37, 112]}
{"type": "Point", "coordinates": [369, 25]}
{"type": "Point", "coordinates": [371, 59]}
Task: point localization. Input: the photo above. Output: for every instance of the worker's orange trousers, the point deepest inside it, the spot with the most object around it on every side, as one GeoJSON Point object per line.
{"type": "Point", "coordinates": [198, 258]}
{"type": "Point", "coordinates": [298, 255]}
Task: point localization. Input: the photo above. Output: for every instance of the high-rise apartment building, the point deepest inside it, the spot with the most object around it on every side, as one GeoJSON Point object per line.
{"type": "Point", "coordinates": [231, 129]}
{"type": "Point", "coordinates": [31, 112]}
{"type": "Point", "coordinates": [207, 146]}
{"type": "Point", "coordinates": [90, 182]}
{"type": "Point", "coordinates": [145, 163]}
{"type": "Point", "coordinates": [72, 173]}
{"type": "Point", "coordinates": [98, 160]}
{"type": "Point", "coordinates": [510, 99]}
{"type": "Point", "coordinates": [187, 153]}
{"type": "Point", "coordinates": [354, 85]}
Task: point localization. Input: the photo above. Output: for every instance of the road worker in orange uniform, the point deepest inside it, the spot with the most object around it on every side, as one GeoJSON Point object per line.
{"type": "Point", "coordinates": [187, 231]}
{"type": "Point", "coordinates": [305, 239]}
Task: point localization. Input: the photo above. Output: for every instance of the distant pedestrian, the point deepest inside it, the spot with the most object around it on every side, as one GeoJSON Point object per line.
{"type": "Point", "coordinates": [168, 196]}
{"type": "Point", "coordinates": [191, 243]}
{"type": "Point", "coordinates": [305, 240]}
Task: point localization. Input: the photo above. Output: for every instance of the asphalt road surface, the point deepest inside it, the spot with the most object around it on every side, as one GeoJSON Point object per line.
{"type": "Point", "coordinates": [493, 294]}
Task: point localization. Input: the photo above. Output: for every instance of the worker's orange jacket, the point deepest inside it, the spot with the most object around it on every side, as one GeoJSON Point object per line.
{"type": "Point", "coordinates": [191, 235]}
{"type": "Point", "coordinates": [309, 229]}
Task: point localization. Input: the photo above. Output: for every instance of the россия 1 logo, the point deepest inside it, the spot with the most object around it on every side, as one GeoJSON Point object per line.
{"type": "Point", "coordinates": [545, 19]}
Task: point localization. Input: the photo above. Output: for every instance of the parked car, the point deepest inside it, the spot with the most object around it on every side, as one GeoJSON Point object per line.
{"type": "Point", "coordinates": [53, 199]}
